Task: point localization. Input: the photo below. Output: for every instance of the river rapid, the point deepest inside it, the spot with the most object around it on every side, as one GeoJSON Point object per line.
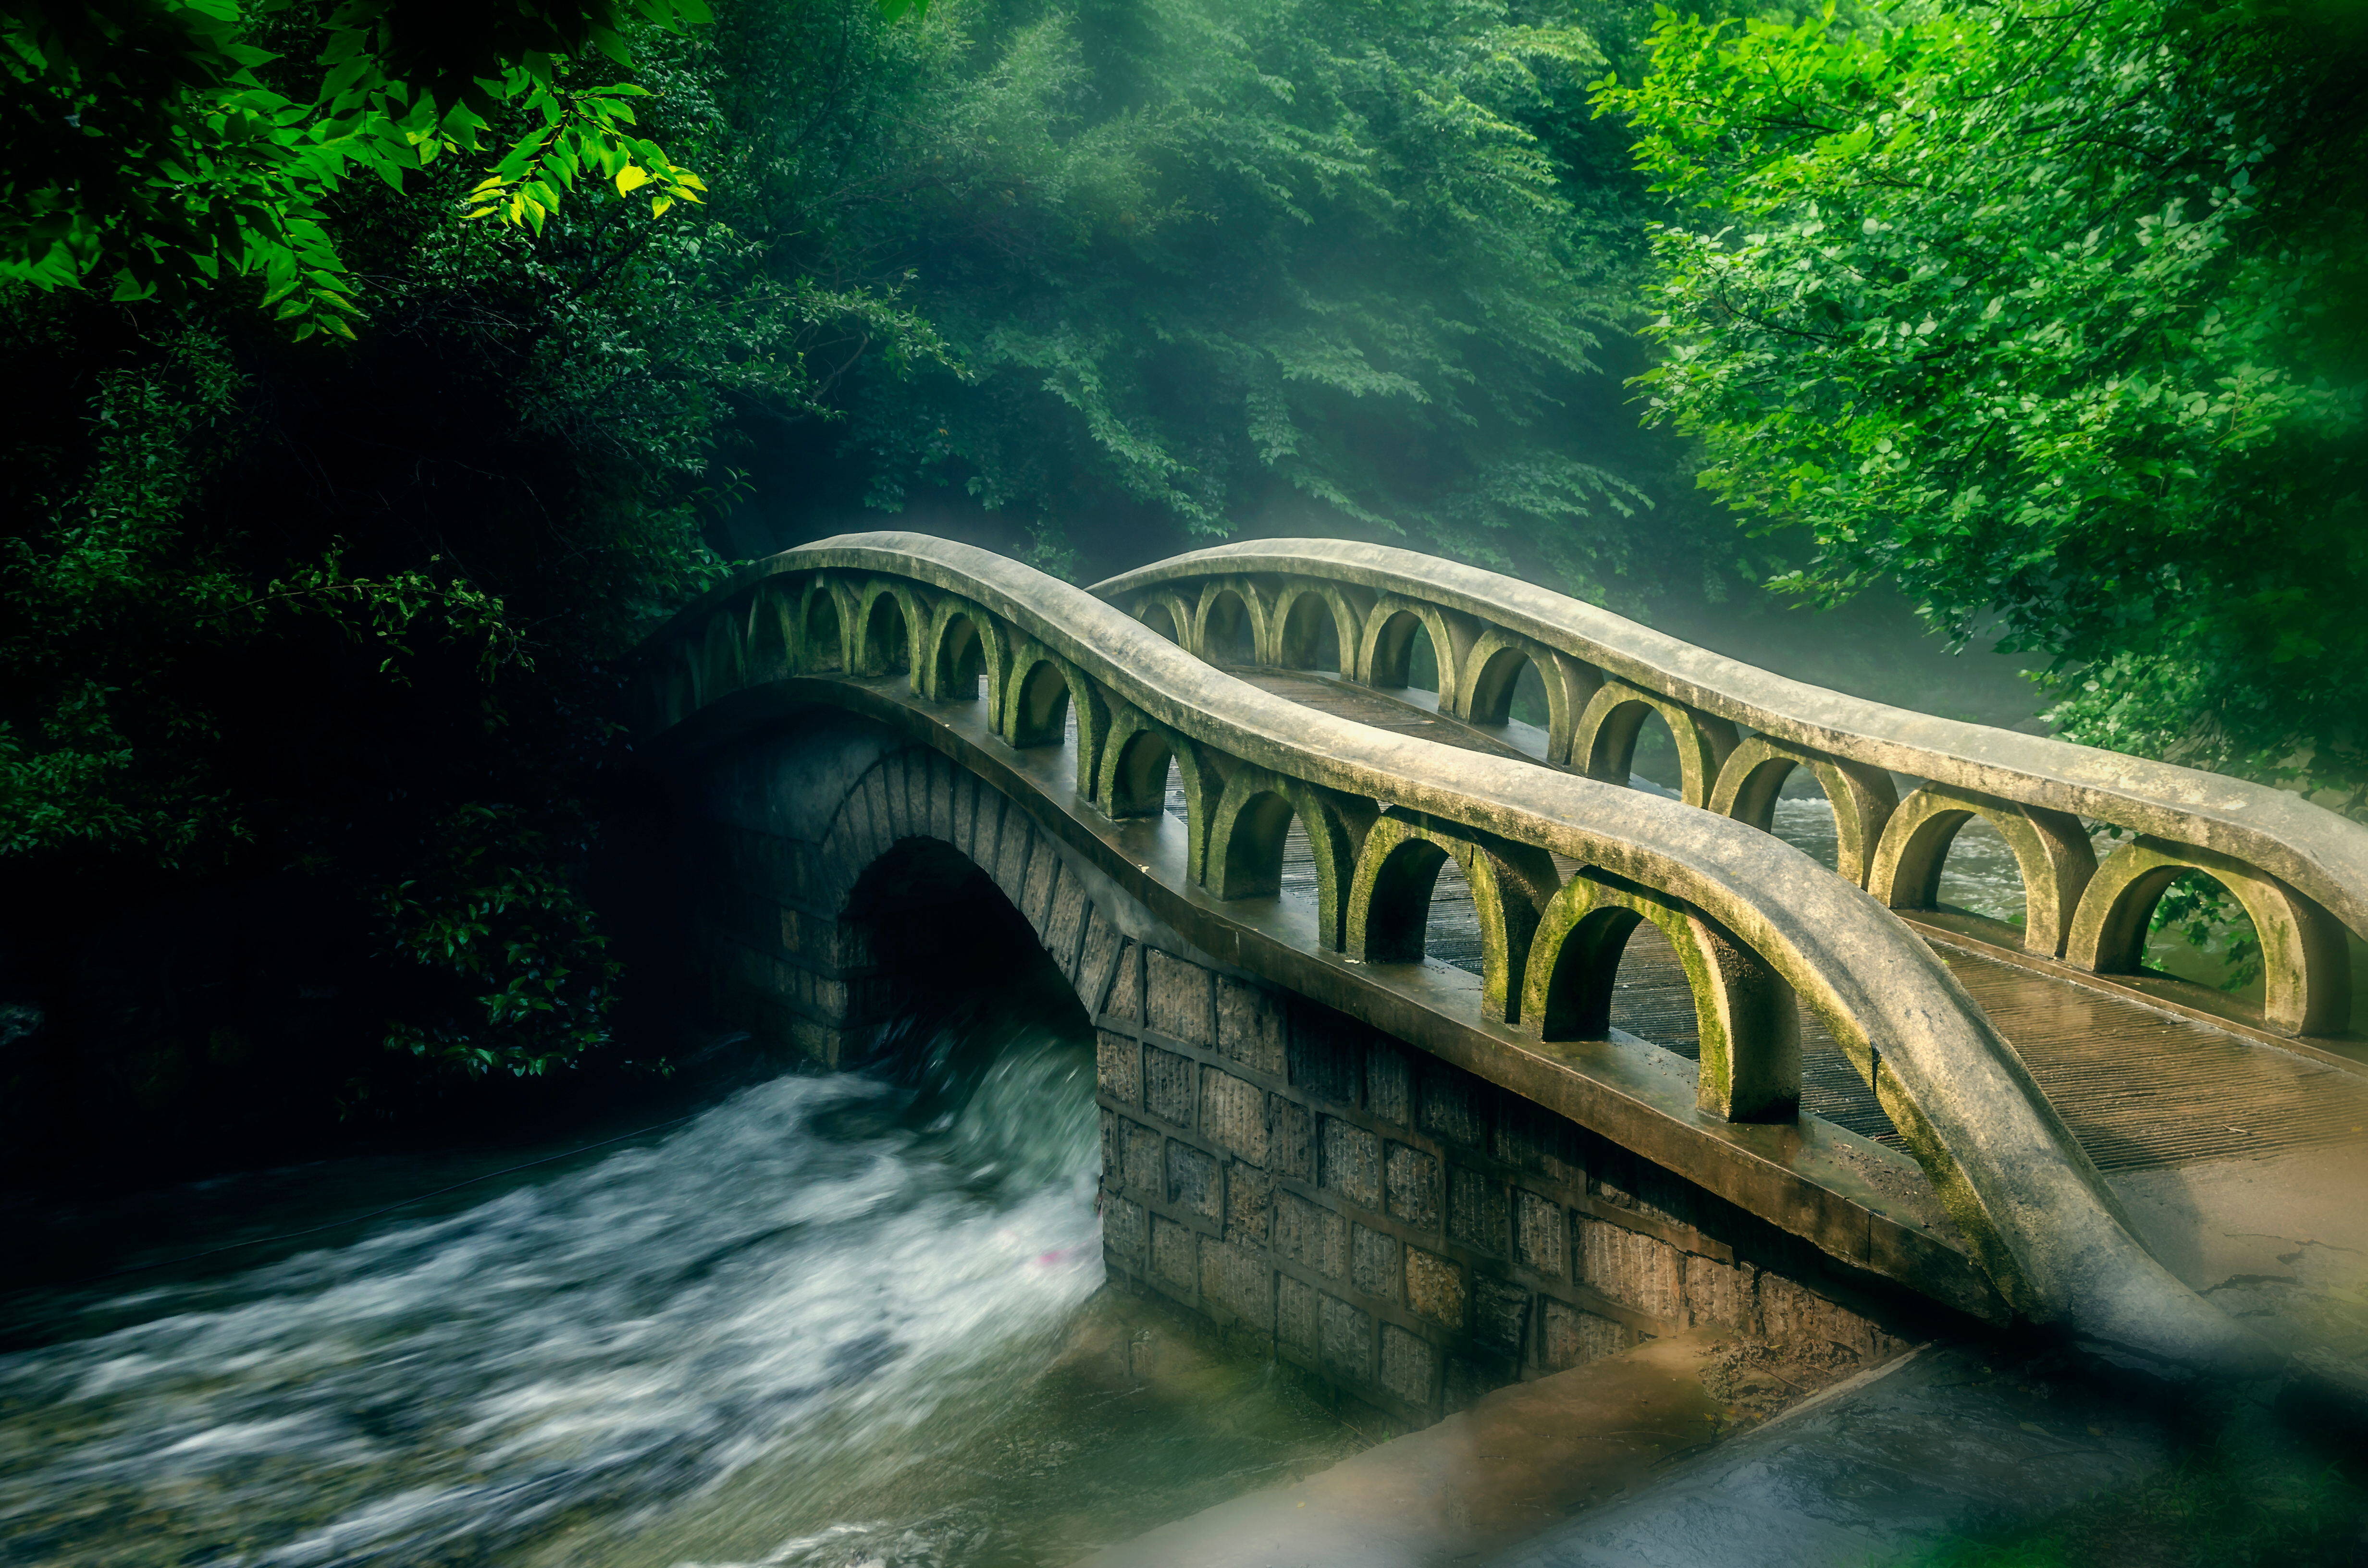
{"type": "Point", "coordinates": [833, 1320]}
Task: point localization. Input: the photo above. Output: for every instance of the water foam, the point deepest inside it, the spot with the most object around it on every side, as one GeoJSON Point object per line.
{"type": "Point", "coordinates": [796, 1271]}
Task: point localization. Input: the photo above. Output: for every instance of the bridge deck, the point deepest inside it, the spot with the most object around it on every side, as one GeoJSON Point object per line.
{"type": "Point", "coordinates": [2141, 1087]}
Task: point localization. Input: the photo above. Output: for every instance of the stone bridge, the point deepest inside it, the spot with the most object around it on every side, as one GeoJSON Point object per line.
{"type": "Point", "coordinates": [1212, 796]}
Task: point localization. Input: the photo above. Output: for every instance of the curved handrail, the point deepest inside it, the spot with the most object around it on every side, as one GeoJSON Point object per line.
{"type": "Point", "coordinates": [2041, 1220]}
{"type": "Point", "coordinates": [2316, 850]}
{"type": "Point", "coordinates": [2300, 872]}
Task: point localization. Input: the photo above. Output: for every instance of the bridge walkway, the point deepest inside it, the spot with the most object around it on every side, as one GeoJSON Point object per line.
{"type": "Point", "coordinates": [2141, 1086]}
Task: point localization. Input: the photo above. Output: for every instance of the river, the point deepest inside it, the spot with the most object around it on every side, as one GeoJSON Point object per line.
{"type": "Point", "coordinates": [833, 1320]}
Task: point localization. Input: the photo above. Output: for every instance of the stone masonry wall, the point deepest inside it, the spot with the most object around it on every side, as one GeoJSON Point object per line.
{"type": "Point", "coordinates": [1402, 1230]}
{"type": "Point", "coordinates": [1395, 1225]}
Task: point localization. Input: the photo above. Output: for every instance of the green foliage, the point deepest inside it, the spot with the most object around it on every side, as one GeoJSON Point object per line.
{"type": "Point", "coordinates": [1207, 263]}
{"type": "Point", "coordinates": [2052, 315]}
{"type": "Point", "coordinates": [159, 147]}
{"type": "Point", "coordinates": [2207, 918]}
{"type": "Point", "coordinates": [496, 910]}
{"type": "Point", "coordinates": [98, 598]}
{"type": "Point", "coordinates": [273, 610]}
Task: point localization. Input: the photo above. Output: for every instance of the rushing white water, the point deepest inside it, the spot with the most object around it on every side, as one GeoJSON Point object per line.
{"type": "Point", "coordinates": [788, 1277]}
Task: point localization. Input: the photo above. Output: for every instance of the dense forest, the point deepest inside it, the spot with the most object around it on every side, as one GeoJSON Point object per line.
{"type": "Point", "coordinates": [378, 373]}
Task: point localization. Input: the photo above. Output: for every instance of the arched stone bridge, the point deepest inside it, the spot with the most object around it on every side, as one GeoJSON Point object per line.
{"type": "Point", "coordinates": [908, 755]}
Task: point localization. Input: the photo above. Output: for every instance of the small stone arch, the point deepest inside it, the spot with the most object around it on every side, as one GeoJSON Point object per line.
{"type": "Point", "coordinates": [1167, 614]}
{"type": "Point", "coordinates": [1040, 692]}
{"type": "Point", "coordinates": [1231, 619]}
{"type": "Point", "coordinates": [2306, 964]}
{"type": "Point", "coordinates": [1492, 670]}
{"type": "Point", "coordinates": [1862, 798]}
{"type": "Point", "coordinates": [1036, 706]}
{"type": "Point", "coordinates": [822, 628]}
{"type": "Point", "coordinates": [772, 633]}
{"type": "Point", "coordinates": [1312, 622]}
{"type": "Point", "coordinates": [916, 833]}
{"type": "Point", "coordinates": [887, 617]}
{"type": "Point", "coordinates": [1386, 642]}
{"type": "Point", "coordinates": [1748, 1019]}
{"type": "Point", "coordinates": [1133, 780]}
{"type": "Point", "coordinates": [718, 658]}
{"type": "Point", "coordinates": [2050, 852]}
{"type": "Point", "coordinates": [966, 654]}
{"type": "Point", "coordinates": [1242, 847]}
{"type": "Point", "coordinates": [1389, 902]}
{"type": "Point", "coordinates": [1603, 739]}
{"type": "Point", "coordinates": [1134, 766]}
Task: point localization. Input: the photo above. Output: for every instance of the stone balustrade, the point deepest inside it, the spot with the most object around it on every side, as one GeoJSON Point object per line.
{"type": "Point", "coordinates": [2300, 872]}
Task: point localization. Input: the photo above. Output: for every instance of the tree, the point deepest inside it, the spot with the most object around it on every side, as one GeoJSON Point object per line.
{"type": "Point", "coordinates": [334, 615]}
{"type": "Point", "coordinates": [164, 147]}
{"type": "Point", "coordinates": [1204, 265]}
{"type": "Point", "coordinates": [2052, 314]}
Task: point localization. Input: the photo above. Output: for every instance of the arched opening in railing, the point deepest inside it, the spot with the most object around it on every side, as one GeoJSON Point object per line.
{"type": "Point", "coordinates": [768, 637]}
{"type": "Point", "coordinates": [1617, 969]}
{"type": "Point", "coordinates": [1831, 810]}
{"type": "Point", "coordinates": [1573, 998]}
{"type": "Point", "coordinates": [2198, 930]}
{"type": "Point", "coordinates": [1779, 797]}
{"type": "Point", "coordinates": [2019, 871]}
{"type": "Point", "coordinates": [1977, 874]}
{"type": "Point", "coordinates": [1040, 711]}
{"type": "Point", "coordinates": [887, 646]}
{"type": "Point", "coordinates": [1510, 689]}
{"type": "Point", "coordinates": [1249, 857]}
{"type": "Point", "coordinates": [1634, 745]}
{"type": "Point", "coordinates": [1397, 919]}
{"type": "Point", "coordinates": [962, 660]}
{"type": "Point", "coordinates": [1140, 778]}
{"type": "Point", "coordinates": [1158, 616]}
{"type": "Point", "coordinates": [826, 648]}
{"type": "Point", "coordinates": [1611, 954]}
{"type": "Point", "coordinates": [1227, 636]}
{"type": "Point", "coordinates": [1403, 656]}
{"type": "Point", "coordinates": [1311, 640]}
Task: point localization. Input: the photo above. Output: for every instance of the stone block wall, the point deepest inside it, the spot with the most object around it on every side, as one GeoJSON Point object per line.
{"type": "Point", "coordinates": [1399, 1228]}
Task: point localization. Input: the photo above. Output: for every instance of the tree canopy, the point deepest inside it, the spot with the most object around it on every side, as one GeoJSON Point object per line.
{"type": "Point", "coordinates": [154, 147]}
{"type": "Point", "coordinates": [1205, 264]}
{"type": "Point", "coordinates": [2051, 314]}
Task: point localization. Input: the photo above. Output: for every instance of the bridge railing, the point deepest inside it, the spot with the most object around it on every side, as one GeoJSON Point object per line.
{"type": "Point", "coordinates": [2299, 872]}
{"type": "Point", "coordinates": [1761, 929]}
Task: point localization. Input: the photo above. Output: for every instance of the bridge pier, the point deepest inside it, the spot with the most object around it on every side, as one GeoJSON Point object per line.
{"type": "Point", "coordinates": [1404, 1232]}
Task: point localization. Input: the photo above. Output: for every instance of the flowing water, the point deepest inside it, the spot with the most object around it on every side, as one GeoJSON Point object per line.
{"type": "Point", "coordinates": [830, 1320]}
